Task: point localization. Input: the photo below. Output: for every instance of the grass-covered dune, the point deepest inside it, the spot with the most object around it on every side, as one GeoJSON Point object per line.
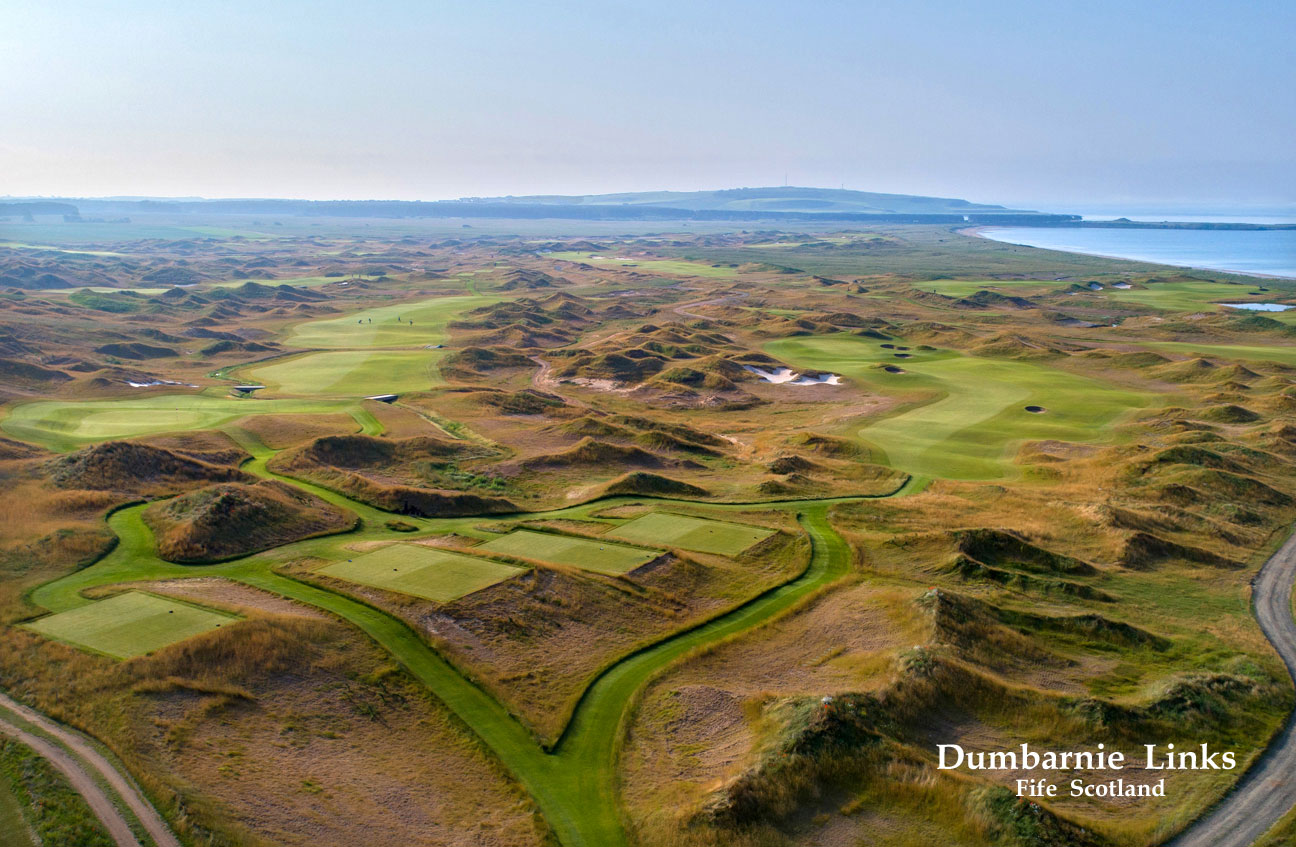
{"type": "Point", "coordinates": [233, 519]}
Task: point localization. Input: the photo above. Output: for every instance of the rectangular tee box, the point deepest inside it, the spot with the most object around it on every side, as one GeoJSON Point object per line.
{"type": "Point", "coordinates": [689, 533]}
{"type": "Point", "coordinates": [591, 554]}
{"type": "Point", "coordinates": [422, 571]}
{"type": "Point", "coordinates": [130, 624]}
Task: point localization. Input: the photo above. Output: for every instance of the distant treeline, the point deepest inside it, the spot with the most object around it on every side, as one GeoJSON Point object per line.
{"type": "Point", "coordinates": [37, 207]}
{"type": "Point", "coordinates": [477, 209]}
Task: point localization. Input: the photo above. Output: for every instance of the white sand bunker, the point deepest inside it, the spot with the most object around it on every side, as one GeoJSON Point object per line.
{"type": "Point", "coordinates": [787, 376]}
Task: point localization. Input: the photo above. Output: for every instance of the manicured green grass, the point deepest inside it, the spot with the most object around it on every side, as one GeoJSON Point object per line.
{"type": "Point", "coordinates": [966, 414]}
{"type": "Point", "coordinates": [584, 553]}
{"type": "Point", "coordinates": [1283, 354]}
{"type": "Point", "coordinates": [64, 425]}
{"type": "Point", "coordinates": [574, 785]}
{"type": "Point", "coordinates": [350, 373]}
{"type": "Point", "coordinates": [1185, 296]}
{"type": "Point", "coordinates": [425, 572]}
{"type": "Point", "coordinates": [704, 536]}
{"type": "Point", "coordinates": [388, 326]}
{"type": "Point", "coordinates": [130, 624]}
{"type": "Point", "coordinates": [659, 266]}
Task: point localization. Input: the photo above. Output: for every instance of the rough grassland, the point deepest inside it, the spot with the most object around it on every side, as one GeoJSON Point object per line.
{"type": "Point", "coordinates": [13, 828]}
{"type": "Point", "coordinates": [600, 556]}
{"type": "Point", "coordinates": [424, 572]}
{"type": "Point", "coordinates": [704, 536]}
{"type": "Point", "coordinates": [974, 412]}
{"type": "Point", "coordinates": [64, 425]}
{"type": "Point", "coordinates": [388, 326]}
{"type": "Point", "coordinates": [661, 266]}
{"type": "Point", "coordinates": [351, 373]}
{"type": "Point", "coordinates": [129, 624]}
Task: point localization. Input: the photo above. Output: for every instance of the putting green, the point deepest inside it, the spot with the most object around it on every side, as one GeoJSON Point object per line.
{"type": "Point", "coordinates": [971, 410]}
{"type": "Point", "coordinates": [426, 572]}
{"type": "Point", "coordinates": [704, 536]}
{"type": "Point", "coordinates": [350, 373]}
{"type": "Point", "coordinates": [587, 554]}
{"type": "Point", "coordinates": [661, 266]}
{"type": "Point", "coordinates": [388, 326]}
{"type": "Point", "coordinates": [65, 425]}
{"type": "Point", "coordinates": [1186, 296]}
{"type": "Point", "coordinates": [129, 624]}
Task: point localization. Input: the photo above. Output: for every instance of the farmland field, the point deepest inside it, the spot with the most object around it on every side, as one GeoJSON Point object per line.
{"type": "Point", "coordinates": [350, 373]}
{"type": "Point", "coordinates": [65, 424]}
{"type": "Point", "coordinates": [129, 624]}
{"type": "Point", "coordinates": [388, 326]}
{"type": "Point", "coordinates": [704, 536]}
{"type": "Point", "coordinates": [588, 554]}
{"type": "Point", "coordinates": [426, 572]}
{"type": "Point", "coordinates": [976, 413]}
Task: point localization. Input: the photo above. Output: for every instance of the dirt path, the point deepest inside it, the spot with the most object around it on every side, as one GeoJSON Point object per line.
{"type": "Point", "coordinates": [81, 782]}
{"type": "Point", "coordinates": [544, 381]}
{"type": "Point", "coordinates": [74, 763]}
{"type": "Point", "coordinates": [683, 308]}
{"type": "Point", "coordinates": [1268, 790]}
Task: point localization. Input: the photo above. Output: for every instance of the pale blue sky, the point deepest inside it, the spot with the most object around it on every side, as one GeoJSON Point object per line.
{"type": "Point", "coordinates": [1040, 103]}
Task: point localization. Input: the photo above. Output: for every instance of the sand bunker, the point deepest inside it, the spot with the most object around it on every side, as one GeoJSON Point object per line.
{"type": "Point", "coordinates": [787, 376]}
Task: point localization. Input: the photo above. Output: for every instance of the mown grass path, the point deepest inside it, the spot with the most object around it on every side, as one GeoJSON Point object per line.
{"type": "Point", "coordinates": [574, 784]}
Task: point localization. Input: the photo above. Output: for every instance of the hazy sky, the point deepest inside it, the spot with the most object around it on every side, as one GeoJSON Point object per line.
{"type": "Point", "coordinates": [1044, 103]}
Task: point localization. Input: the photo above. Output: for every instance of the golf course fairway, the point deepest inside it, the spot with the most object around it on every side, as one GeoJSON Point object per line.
{"type": "Point", "coordinates": [64, 425]}
{"type": "Point", "coordinates": [388, 326]}
{"type": "Point", "coordinates": [964, 414]}
{"type": "Point", "coordinates": [574, 784]}
{"type": "Point", "coordinates": [349, 373]}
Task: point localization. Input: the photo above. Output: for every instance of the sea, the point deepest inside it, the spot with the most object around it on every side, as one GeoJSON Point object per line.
{"type": "Point", "coordinates": [1258, 252]}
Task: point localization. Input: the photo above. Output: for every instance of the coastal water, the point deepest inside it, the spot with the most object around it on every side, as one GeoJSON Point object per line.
{"type": "Point", "coordinates": [1265, 252]}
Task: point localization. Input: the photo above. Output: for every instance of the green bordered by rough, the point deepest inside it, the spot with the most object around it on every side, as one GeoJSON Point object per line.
{"type": "Point", "coordinates": [421, 571]}
{"type": "Point", "coordinates": [964, 417]}
{"type": "Point", "coordinates": [130, 624]}
{"type": "Point", "coordinates": [398, 325]}
{"type": "Point", "coordinates": [65, 425]}
{"type": "Point", "coordinates": [700, 534]}
{"type": "Point", "coordinates": [350, 373]}
{"type": "Point", "coordinates": [584, 553]}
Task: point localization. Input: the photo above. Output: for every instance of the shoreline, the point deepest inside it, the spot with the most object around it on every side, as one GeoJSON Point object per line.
{"type": "Point", "coordinates": [979, 232]}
